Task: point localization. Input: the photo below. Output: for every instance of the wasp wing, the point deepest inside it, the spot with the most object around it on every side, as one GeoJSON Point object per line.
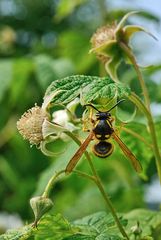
{"type": "Point", "coordinates": [135, 162]}
{"type": "Point", "coordinates": [74, 160]}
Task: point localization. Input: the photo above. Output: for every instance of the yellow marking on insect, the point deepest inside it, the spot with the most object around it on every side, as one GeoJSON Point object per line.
{"type": "Point", "coordinates": [98, 135]}
{"type": "Point", "coordinates": [107, 136]}
{"type": "Point", "coordinates": [103, 155]}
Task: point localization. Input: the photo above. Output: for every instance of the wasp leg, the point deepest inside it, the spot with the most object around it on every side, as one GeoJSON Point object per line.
{"type": "Point", "coordinates": [88, 122]}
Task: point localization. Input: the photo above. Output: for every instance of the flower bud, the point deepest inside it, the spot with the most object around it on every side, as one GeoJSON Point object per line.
{"type": "Point", "coordinates": [40, 205]}
{"type": "Point", "coordinates": [101, 38]}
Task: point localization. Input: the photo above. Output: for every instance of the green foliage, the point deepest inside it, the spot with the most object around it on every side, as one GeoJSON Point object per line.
{"type": "Point", "coordinates": [66, 7]}
{"type": "Point", "coordinates": [5, 77]}
{"type": "Point", "coordinates": [18, 234]}
{"type": "Point", "coordinates": [99, 225]}
{"type": "Point", "coordinates": [90, 88]}
{"type": "Point", "coordinates": [42, 42]}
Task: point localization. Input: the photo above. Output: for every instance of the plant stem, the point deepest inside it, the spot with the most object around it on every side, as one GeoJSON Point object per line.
{"type": "Point", "coordinates": [137, 101]}
{"type": "Point", "coordinates": [54, 178]}
{"type": "Point", "coordinates": [51, 182]}
{"type": "Point", "coordinates": [138, 136]}
{"type": "Point", "coordinates": [106, 198]}
{"type": "Point", "coordinates": [145, 108]}
{"type": "Point", "coordinates": [100, 187]}
{"type": "Point", "coordinates": [131, 56]}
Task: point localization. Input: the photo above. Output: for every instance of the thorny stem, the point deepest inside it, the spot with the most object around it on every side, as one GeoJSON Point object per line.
{"type": "Point", "coordinates": [145, 108]}
{"type": "Point", "coordinates": [100, 187]}
{"type": "Point", "coordinates": [137, 101]}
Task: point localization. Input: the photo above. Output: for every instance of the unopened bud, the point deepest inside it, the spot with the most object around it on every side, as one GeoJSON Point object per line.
{"type": "Point", "coordinates": [40, 205]}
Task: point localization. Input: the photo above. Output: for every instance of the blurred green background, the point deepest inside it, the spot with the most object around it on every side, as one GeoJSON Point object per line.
{"type": "Point", "coordinates": [41, 41]}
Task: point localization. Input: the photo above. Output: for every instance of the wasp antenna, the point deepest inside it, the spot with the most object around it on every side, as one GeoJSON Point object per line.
{"type": "Point", "coordinates": [90, 105]}
{"type": "Point", "coordinates": [122, 100]}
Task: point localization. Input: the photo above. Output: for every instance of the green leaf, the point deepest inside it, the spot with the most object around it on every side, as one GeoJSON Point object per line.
{"type": "Point", "coordinates": [18, 234]}
{"type": "Point", "coordinates": [90, 88]}
{"type": "Point", "coordinates": [66, 7]}
{"type": "Point", "coordinates": [149, 221]}
{"type": "Point", "coordinates": [129, 30]}
{"type": "Point", "coordinates": [49, 69]}
{"type": "Point", "coordinates": [74, 45]}
{"type": "Point", "coordinates": [6, 72]}
{"type": "Point", "coordinates": [21, 70]}
{"type": "Point", "coordinates": [100, 226]}
{"type": "Point", "coordinates": [96, 226]}
{"type": "Point", "coordinates": [111, 67]}
{"type": "Point", "coordinates": [54, 226]}
{"type": "Point", "coordinates": [123, 20]}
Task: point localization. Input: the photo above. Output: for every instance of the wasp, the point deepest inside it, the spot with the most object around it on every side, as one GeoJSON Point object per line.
{"type": "Point", "coordinates": [102, 132]}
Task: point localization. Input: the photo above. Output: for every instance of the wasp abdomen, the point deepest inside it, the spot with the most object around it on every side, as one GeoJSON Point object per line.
{"type": "Point", "coordinates": [103, 149]}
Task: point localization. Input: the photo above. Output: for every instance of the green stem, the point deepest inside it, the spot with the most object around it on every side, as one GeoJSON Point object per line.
{"type": "Point", "coordinates": [137, 101]}
{"type": "Point", "coordinates": [100, 187]}
{"type": "Point", "coordinates": [54, 178]}
{"type": "Point", "coordinates": [131, 56]}
{"type": "Point", "coordinates": [136, 135]}
{"type": "Point", "coordinates": [106, 198]}
{"type": "Point", "coordinates": [51, 182]}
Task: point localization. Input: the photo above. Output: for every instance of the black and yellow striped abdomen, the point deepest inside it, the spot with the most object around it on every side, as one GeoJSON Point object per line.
{"type": "Point", "coordinates": [103, 131]}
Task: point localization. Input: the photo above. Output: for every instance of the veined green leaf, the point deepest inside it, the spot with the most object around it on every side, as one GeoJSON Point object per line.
{"type": "Point", "coordinates": [90, 88]}
{"type": "Point", "coordinates": [18, 234]}
{"type": "Point", "coordinates": [96, 226]}
{"type": "Point", "coordinates": [100, 226]}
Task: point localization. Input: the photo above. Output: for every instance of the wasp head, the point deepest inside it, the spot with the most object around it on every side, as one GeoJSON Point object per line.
{"type": "Point", "coordinates": [103, 115]}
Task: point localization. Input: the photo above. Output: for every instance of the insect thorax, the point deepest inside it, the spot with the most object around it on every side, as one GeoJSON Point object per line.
{"type": "Point", "coordinates": [103, 129]}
